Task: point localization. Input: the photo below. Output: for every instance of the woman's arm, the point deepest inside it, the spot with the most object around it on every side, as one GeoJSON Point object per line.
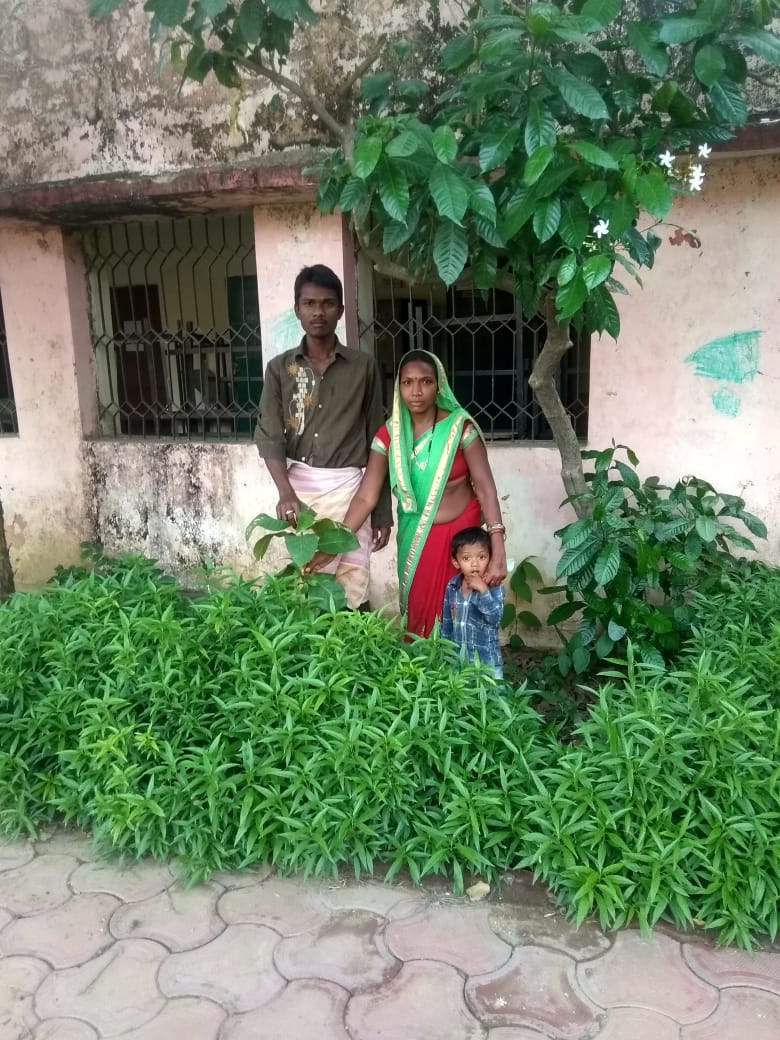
{"type": "Point", "coordinates": [485, 490]}
{"type": "Point", "coordinates": [367, 495]}
{"type": "Point", "coordinates": [362, 505]}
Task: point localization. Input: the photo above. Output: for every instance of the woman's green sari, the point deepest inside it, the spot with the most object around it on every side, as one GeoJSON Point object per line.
{"type": "Point", "coordinates": [419, 469]}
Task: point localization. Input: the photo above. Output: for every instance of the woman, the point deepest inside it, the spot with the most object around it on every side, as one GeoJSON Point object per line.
{"type": "Point", "coordinates": [440, 475]}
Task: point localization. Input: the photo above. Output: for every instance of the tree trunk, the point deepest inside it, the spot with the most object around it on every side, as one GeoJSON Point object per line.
{"type": "Point", "coordinates": [6, 574]}
{"type": "Point", "coordinates": [542, 382]}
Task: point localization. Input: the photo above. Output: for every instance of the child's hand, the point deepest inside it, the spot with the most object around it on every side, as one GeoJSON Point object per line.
{"type": "Point", "coordinates": [476, 583]}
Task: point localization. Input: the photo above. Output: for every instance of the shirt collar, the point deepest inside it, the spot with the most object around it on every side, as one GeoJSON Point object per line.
{"type": "Point", "coordinates": [300, 350]}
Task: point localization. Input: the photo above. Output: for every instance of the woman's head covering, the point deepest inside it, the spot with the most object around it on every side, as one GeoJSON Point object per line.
{"type": "Point", "coordinates": [402, 431]}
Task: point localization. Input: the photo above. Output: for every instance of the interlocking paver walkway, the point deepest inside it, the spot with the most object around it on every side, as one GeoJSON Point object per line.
{"type": "Point", "coordinates": [91, 949]}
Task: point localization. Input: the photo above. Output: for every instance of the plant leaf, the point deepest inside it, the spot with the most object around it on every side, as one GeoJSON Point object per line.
{"type": "Point", "coordinates": [607, 564]}
{"type": "Point", "coordinates": [445, 144]}
{"type": "Point", "coordinates": [450, 250]}
{"type": "Point", "coordinates": [449, 192]}
{"type": "Point", "coordinates": [367, 154]}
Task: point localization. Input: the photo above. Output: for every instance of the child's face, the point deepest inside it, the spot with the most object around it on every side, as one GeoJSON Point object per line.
{"type": "Point", "coordinates": [472, 560]}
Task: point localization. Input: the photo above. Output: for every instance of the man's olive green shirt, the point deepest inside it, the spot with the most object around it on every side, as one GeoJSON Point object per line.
{"type": "Point", "coordinates": [327, 419]}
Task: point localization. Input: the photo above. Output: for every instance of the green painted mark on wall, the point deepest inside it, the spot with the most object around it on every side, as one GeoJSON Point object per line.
{"type": "Point", "coordinates": [726, 402]}
{"type": "Point", "coordinates": [732, 358]}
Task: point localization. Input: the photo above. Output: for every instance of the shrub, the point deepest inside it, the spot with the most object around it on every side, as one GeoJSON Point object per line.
{"type": "Point", "coordinates": [632, 565]}
{"type": "Point", "coordinates": [243, 727]}
{"type": "Point", "coordinates": [669, 803]}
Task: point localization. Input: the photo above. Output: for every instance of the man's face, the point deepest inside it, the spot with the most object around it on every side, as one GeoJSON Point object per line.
{"type": "Point", "coordinates": [318, 310]}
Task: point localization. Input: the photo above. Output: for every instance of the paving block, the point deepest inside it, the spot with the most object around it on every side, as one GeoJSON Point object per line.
{"type": "Point", "coordinates": [638, 1024]}
{"type": "Point", "coordinates": [648, 973]}
{"type": "Point", "coordinates": [543, 925]}
{"type": "Point", "coordinates": [307, 1010]}
{"type": "Point", "coordinates": [243, 878]}
{"type": "Point", "coordinates": [287, 905]}
{"type": "Point", "coordinates": [41, 884]}
{"type": "Point", "coordinates": [236, 969]}
{"type": "Point", "coordinates": [347, 949]}
{"type": "Point", "coordinates": [68, 935]}
{"type": "Point", "coordinates": [727, 966]}
{"type": "Point", "coordinates": [390, 901]}
{"type": "Point", "coordinates": [187, 1017]}
{"type": "Point", "coordinates": [180, 918]}
{"type": "Point", "coordinates": [20, 977]}
{"type": "Point", "coordinates": [66, 841]}
{"type": "Point", "coordinates": [536, 989]}
{"type": "Point", "coordinates": [15, 852]}
{"type": "Point", "coordinates": [114, 992]}
{"type": "Point", "coordinates": [130, 882]}
{"type": "Point", "coordinates": [459, 935]}
{"type": "Point", "coordinates": [742, 1014]}
{"type": "Point", "coordinates": [64, 1029]}
{"type": "Point", "coordinates": [513, 1033]}
{"type": "Point", "coordinates": [423, 1002]}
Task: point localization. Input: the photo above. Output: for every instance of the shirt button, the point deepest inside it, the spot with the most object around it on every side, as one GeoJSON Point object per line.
{"type": "Point", "coordinates": [319, 406]}
{"type": "Point", "coordinates": [316, 435]}
{"type": "Point", "coordinates": [303, 458]}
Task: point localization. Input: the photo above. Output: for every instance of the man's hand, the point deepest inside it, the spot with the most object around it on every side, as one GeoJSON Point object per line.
{"type": "Point", "coordinates": [380, 536]}
{"type": "Point", "coordinates": [288, 507]}
{"type": "Point", "coordinates": [318, 561]}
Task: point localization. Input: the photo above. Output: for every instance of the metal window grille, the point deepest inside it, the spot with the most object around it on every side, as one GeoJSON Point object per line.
{"type": "Point", "coordinates": [8, 420]}
{"type": "Point", "coordinates": [487, 347]}
{"type": "Point", "coordinates": [175, 327]}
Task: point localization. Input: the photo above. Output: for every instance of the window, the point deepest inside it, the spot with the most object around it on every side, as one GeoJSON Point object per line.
{"type": "Point", "coordinates": [8, 422]}
{"type": "Point", "coordinates": [176, 327]}
{"type": "Point", "coordinates": [487, 347]}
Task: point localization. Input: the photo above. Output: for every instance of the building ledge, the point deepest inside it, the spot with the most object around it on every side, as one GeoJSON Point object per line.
{"type": "Point", "coordinates": [279, 179]}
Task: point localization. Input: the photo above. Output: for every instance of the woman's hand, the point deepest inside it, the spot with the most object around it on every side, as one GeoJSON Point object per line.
{"type": "Point", "coordinates": [496, 572]}
{"type": "Point", "coordinates": [318, 561]}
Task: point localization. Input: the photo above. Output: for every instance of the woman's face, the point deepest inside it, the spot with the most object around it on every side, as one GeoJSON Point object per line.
{"type": "Point", "coordinates": [418, 386]}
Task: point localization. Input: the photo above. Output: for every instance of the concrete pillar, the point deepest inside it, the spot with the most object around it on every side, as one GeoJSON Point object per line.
{"type": "Point", "coordinates": [42, 469]}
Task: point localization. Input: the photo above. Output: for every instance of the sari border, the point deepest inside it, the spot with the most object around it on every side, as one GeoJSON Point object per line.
{"type": "Point", "coordinates": [429, 511]}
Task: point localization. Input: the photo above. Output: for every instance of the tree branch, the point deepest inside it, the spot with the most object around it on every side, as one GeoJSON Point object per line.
{"type": "Point", "coordinates": [279, 80]}
{"type": "Point", "coordinates": [380, 262]}
{"type": "Point", "coordinates": [542, 382]}
{"type": "Point", "coordinates": [362, 68]}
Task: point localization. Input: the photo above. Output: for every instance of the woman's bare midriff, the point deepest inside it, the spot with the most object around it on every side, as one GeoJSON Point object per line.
{"type": "Point", "coordinates": [456, 496]}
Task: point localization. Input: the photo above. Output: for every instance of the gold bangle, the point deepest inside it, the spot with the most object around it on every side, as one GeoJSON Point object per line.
{"type": "Point", "coordinates": [495, 528]}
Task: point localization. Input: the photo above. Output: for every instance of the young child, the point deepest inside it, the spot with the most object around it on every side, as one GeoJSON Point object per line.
{"type": "Point", "coordinates": [472, 610]}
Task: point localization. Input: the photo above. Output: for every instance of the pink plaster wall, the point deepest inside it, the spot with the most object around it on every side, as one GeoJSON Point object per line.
{"type": "Point", "coordinates": [42, 474]}
{"type": "Point", "coordinates": [645, 394]}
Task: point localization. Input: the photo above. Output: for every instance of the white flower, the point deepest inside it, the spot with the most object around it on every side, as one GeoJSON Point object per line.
{"type": "Point", "coordinates": [696, 177]}
{"type": "Point", "coordinates": [601, 229]}
{"type": "Point", "coordinates": [666, 159]}
{"type": "Point", "coordinates": [704, 151]}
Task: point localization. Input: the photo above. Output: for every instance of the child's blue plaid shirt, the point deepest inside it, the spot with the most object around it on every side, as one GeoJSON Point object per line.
{"type": "Point", "coordinates": [472, 622]}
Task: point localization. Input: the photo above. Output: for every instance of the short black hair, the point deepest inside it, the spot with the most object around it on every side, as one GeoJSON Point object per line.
{"type": "Point", "coordinates": [470, 536]}
{"type": "Point", "coordinates": [319, 274]}
{"type": "Point", "coordinates": [423, 357]}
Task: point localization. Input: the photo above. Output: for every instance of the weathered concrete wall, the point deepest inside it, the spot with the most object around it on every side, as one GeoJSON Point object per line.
{"type": "Point", "coordinates": [42, 469]}
{"type": "Point", "coordinates": [83, 97]}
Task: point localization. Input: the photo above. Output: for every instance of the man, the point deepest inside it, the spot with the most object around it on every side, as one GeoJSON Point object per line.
{"type": "Point", "coordinates": [320, 408]}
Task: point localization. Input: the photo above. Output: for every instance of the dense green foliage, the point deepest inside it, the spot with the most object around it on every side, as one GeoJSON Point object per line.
{"type": "Point", "coordinates": [668, 802]}
{"type": "Point", "coordinates": [632, 563]}
{"type": "Point", "coordinates": [240, 727]}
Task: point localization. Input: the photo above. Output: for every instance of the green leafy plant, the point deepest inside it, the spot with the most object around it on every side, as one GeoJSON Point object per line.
{"type": "Point", "coordinates": [632, 564]}
{"type": "Point", "coordinates": [303, 540]}
{"type": "Point", "coordinates": [520, 585]}
{"type": "Point", "coordinates": [244, 727]}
